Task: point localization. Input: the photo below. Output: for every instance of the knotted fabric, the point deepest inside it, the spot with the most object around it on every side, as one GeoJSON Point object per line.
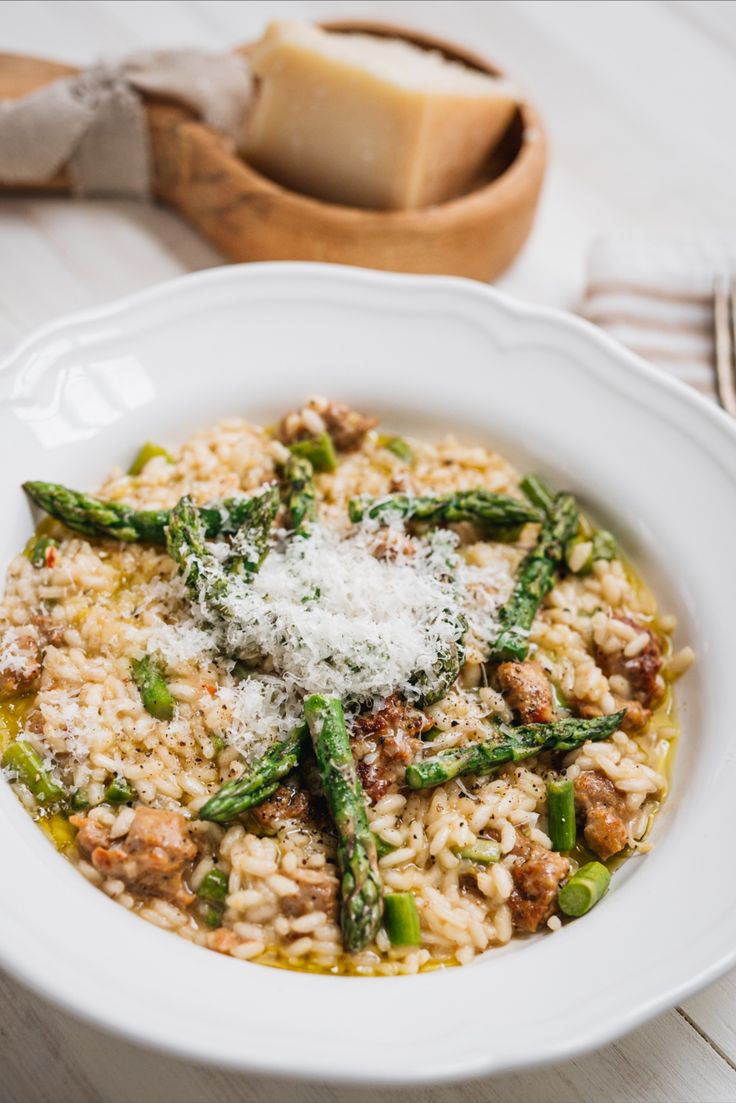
{"type": "Point", "coordinates": [94, 123]}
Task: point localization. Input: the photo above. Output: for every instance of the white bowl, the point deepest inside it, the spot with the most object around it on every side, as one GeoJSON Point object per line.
{"type": "Point", "coordinates": [649, 458]}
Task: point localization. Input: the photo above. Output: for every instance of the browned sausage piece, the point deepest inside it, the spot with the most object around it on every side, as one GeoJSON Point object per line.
{"type": "Point", "coordinates": [346, 427]}
{"type": "Point", "coordinates": [22, 652]}
{"type": "Point", "coordinates": [385, 742]}
{"type": "Point", "coordinates": [21, 661]}
{"type": "Point", "coordinates": [527, 691]}
{"type": "Point", "coordinates": [288, 803]}
{"type": "Point", "coordinates": [318, 894]}
{"type": "Point", "coordinates": [537, 874]}
{"type": "Point", "coordinates": [151, 858]}
{"type": "Point", "coordinates": [602, 808]}
{"type": "Point", "coordinates": [641, 671]}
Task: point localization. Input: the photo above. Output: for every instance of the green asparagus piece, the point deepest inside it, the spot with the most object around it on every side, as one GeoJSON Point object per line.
{"type": "Point", "coordinates": [213, 887]}
{"type": "Point", "coordinates": [362, 904]}
{"type": "Point", "coordinates": [22, 760]}
{"type": "Point", "coordinates": [535, 578]}
{"type": "Point", "coordinates": [298, 493]}
{"type": "Point", "coordinates": [155, 694]}
{"type": "Point", "coordinates": [213, 917]}
{"type": "Point", "coordinates": [319, 451]}
{"type": "Point", "coordinates": [584, 889]}
{"type": "Point", "coordinates": [450, 659]}
{"type": "Point", "coordinates": [510, 745]}
{"type": "Point", "coordinates": [37, 550]}
{"type": "Point", "coordinates": [251, 542]}
{"type": "Point", "coordinates": [382, 847]}
{"type": "Point", "coordinates": [562, 828]}
{"type": "Point", "coordinates": [79, 801]}
{"type": "Point", "coordinates": [119, 791]}
{"type": "Point", "coordinates": [202, 572]}
{"type": "Point", "coordinates": [483, 851]}
{"type": "Point", "coordinates": [485, 509]}
{"type": "Point", "coordinates": [399, 447]}
{"type": "Point", "coordinates": [538, 493]}
{"type": "Point", "coordinates": [93, 517]}
{"type": "Point", "coordinates": [147, 452]}
{"type": "Point", "coordinates": [258, 782]}
{"type": "Point", "coordinates": [601, 545]}
{"type": "Point", "coordinates": [401, 919]}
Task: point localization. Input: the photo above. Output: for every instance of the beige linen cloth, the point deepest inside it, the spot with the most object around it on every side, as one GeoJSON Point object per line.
{"type": "Point", "coordinates": [656, 297]}
{"type": "Point", "coordinates": [95, 123]}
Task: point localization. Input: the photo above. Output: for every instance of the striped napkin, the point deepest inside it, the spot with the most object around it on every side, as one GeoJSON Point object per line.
{"type": "Point", "coordinates": [656, 297]}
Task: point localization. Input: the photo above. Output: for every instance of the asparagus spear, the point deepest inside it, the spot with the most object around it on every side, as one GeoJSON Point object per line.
{"type": "Point", "coordinates": [116, 521]}
{"type": "Point", "coordinates": [320, 451]}
{"type": "Point", "coordinates": [400, 448]}
{"type": "Point", "coordinates": [483, 851]}
{"type": "Point", "coordinates": [401, 919]}
{"type": "Point", "coordinates": [538, 493]}
{"type": "Point", "coordinates": [584, 889]}
{"type": "Point", "coordinates": [298, 492]}
{"type": "Point", "coordinates": [561, 814]}
{"type": "Point", "coordinates": [250, 542]}
{"type": "Point", "coordinates": [146, 452]}
{"type": "Point", "coordinates": [482, 507]}
{"type": "Point", "coordinates": [120, 791]}
{"type": "Point", "coordinates": [202, 572]}
{"type": "Point", "coordinates": [155, 694]}
{"type": "Point", "coordinates": [258, 782]}
{"type": "Point", "coordinates": [511, 745]}
{"type": "Point", "coordinates": [362, 904]}
{"type": "Point", "coordinates": [24, 762]}
{"type": "Point", "coordinates": [534, 579]}
{"type": "Point", "coordinates": [447, 666]}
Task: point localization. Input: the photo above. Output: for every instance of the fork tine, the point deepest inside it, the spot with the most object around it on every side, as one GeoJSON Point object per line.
{"type": "Point", "coordinates": [725, 334]}
{"type": "Point", "coordinates": [732, 331]}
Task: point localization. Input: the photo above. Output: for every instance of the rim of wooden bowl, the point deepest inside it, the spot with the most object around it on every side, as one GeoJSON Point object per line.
{"type": "Point", "coordinates": [526, 170]}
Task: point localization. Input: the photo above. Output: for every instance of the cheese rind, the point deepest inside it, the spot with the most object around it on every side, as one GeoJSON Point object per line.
{"type": "Point", "coordinates": [370, 122]}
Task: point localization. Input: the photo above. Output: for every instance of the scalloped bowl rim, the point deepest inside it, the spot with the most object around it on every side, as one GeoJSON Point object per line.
{"type": "Point", "coordinates": [318, 299]}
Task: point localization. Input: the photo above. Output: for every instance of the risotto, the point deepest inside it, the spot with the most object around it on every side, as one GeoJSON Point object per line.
{"type": "Point", "coordinates": [318, 697]}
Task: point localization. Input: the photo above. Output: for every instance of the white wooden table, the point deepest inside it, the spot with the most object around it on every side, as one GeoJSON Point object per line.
{"type": "Point", "coordinates": [639, 102]}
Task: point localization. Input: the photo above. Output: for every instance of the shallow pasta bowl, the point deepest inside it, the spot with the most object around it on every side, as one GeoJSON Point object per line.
{"type": "Point", "coordinates": [431, 355]}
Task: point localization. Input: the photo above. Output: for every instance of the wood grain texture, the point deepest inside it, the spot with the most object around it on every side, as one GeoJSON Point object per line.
{"type": "Point", "coordinates": [248, 217]}
{"type": "Point", "coordinates": [635, 149]}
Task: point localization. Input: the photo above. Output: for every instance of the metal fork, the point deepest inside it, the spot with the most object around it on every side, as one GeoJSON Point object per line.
{"type": "Point", "coordinates": [724, 317]}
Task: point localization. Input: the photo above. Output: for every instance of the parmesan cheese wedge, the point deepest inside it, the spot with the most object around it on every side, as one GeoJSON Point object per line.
{"type": "Point", "coordinates": [368, 121]}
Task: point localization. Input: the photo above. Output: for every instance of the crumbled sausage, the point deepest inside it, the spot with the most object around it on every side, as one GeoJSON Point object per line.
{"type": "Point", "coordinates": [91, 833]}
{"type": "Point", "coordinates": [346, 427]}
{"type": "Point", "coordinates": [636, 716]}
{"type": "Point", "coordinates": [385, 742]}
{"type": "Point", "coordinates": [288, 803]}
{"type": "Point", "coordinates": [22, 653]}
{"type": "Point", "coordinates": [49, 631]}
{"type": "Point", "coordinates": [224, 940]}
{"type": "Point", "coordinates": [317, 893]}
{"type": "Point", "coordinates": [151, 858]}
{"type": "Point", "coordinates": [537, 875]}
{"type": "Point", "coordinates": [21, 662]}
{"type": "Point", "coordinates": [641, 671]}
{"type": "Point", "coordinates": [527, 691]}
{"type": "Point", "coordinates": [602, 808]}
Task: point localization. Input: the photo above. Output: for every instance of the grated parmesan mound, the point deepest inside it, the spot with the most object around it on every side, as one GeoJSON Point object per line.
{"type": "Point", "coordinates": [329, 617]}
{"type": "Point", "coordinates": [255, 713]}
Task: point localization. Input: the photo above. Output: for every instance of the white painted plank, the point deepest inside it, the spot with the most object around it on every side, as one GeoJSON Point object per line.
{"type": "Point", "coordinates": [665, 1060]}
{"type": "Point", "coordinates": [714, 1012]}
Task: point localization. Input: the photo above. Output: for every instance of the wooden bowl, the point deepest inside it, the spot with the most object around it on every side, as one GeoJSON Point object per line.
{"type": "Point", "coordinates": [249, 217]}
